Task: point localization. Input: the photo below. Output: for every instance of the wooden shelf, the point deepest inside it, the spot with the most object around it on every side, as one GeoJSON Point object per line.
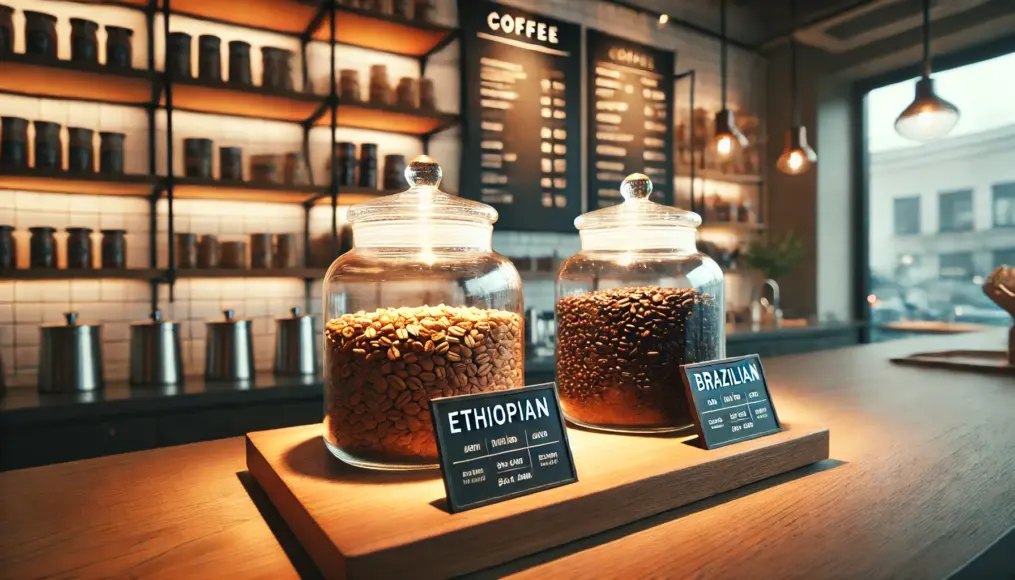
{"type": "Point", "coordinates": [195, 188]}
{"type": "Point", "coordinates": [304, 273]}
{"type": "Point", "coordinates": [94, 274]}
{"type": "Point", "coordinates": [51, 181]}
{"type": "Point", "coordinates": [63, 79]}
{"type": "Point", "coordinates": [390, 119]}
{"type": "Point", "coordinates": [285, 16]}
{"type": "Point", "coordinates": [734, 226]}
{"type": "Point", "coordinates": [255, 102]}
{"type": "Point", "coordinates": [382, 33]}
{"type": "Point", "coordinates": [714, 175]}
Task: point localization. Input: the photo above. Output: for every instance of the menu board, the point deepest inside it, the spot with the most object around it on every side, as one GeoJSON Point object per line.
{"type": "Point", "coordinates": [630, 126]}
{"type": "Point", "coordinates": [521, 121]}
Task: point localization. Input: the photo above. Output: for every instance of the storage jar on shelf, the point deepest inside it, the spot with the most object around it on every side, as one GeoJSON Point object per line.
{"type": "Point", "coordinates": [634, 304]}
{"type": "Point", "coordinates": [421, 307]}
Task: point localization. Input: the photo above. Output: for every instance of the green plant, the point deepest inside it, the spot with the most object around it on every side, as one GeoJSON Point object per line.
{"type": "Point", "coordinates": [776, 258]}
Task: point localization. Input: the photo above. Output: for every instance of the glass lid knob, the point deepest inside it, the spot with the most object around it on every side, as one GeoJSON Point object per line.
{"type": "Point", "coordinates": [636, 186]}
{"type": "Point", "coordinates": [423, 172]}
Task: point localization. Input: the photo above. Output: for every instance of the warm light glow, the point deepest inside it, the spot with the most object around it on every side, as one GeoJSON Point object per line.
{"type": "Point", "coordinates": [928, 117]}
{"type": "Point", "coordinates": [871, 299]}
{"type": "Point", "coordinates": [723, 145]}
{"type": "Point", "coordinates": [793, 162]}
{"type": "Point", "coordinates": [664, 18]}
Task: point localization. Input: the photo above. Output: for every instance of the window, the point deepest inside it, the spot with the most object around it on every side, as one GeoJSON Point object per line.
{"type": "Point", "coordinates": [1004, 204]}
{"type": "Point", "coordinates": [956, 211]}
{"type": "Point", "coordinates": [958, 265]}
{"type": "Point", "coordinates": [1004, 257]}
{"type": "Point", "coordinates": [907, 215]}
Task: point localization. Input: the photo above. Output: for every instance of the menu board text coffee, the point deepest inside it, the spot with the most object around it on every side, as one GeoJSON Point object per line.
{"type": "Point", "coordinates": [729, 400]}
{"type": "Point", "coordinates": [521, 93]}
{"type": "Point", "coordinates": [499, 445]}
{"type": "Point", "coordinates": [630, 89]}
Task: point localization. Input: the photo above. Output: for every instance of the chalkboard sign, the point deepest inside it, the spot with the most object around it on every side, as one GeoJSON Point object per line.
{"type": "Point", "coordinates": [499, 445]}
{"type": "Point", "coordinates": [630, 117]}
{"type": "Point", "coordinates": [730, 400]}
{"type": "Point", "coordinates": [521, 123]}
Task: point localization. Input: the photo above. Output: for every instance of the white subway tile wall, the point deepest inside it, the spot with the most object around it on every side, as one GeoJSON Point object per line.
{"type": "Point", "coordinates": [26, 304]}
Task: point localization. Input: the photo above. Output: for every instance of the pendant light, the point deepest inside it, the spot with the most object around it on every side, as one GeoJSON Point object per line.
{"type": "Point", "coordinates": [928, 117]}
{"type": "Point", "coordinates": [727, 136]}
{"type": "Point", "coordinates": [797, 156]}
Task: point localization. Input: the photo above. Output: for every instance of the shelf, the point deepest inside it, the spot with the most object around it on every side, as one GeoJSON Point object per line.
{"type": "Point", "coordinates": [352, 195]}
{"type": "Point", "coordinates": [94, 274]}
{"type": "Point", "coordinates": [195, 188]}
{"type": "Point", "coordinates": [383, 33]}
{"type": "Point", "coordinates": [714, 175]}
{"type": "Point", "coordinates": [132, 4]}
{"type": "Point", "coordinates": [255, 102]}
{"type": "Point", "coordinates": [304, 273]}
{"type": "Point", "coordinates": [389, 118]}
{"type": "Point", "coordinates": [50, 181]}
{"type": "Point", "coordinates": [284, 16]}
{"type": "Point", "coordinates": [734, 226]}
{"type": "Point", "coordinates": [63, 79]}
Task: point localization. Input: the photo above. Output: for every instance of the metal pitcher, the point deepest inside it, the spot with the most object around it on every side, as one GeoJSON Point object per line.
{"type": "Point", "coordinates": [70, 356]}
{"type": "Point", "coordinates": [155, 353]}
{"type": "Point", "coordinates": [229, 351]}
{"type": "Point", "coordinates": [295, 353]}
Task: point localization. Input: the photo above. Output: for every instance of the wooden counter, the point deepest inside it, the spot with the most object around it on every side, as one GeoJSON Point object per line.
{"type": "Point", "coordinates": [920, 484]}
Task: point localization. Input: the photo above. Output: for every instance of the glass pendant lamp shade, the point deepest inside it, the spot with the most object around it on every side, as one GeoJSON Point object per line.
{"type": "Point", "coordinates": [728, 137]}
{"type": "Point", "coordinates": [928, 117]}
{"type": "Point", "coordinates": [797, 157]}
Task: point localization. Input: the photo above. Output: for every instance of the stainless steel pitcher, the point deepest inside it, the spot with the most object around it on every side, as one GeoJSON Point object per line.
{"type": "Point", "coordinates": [70, 356]}
{"type": "Point", "coordinates": [295, 353]}
{"type": "Point", "coordinates": [229, 350]}
{"type": "Point", "coordinates": [155, 354]}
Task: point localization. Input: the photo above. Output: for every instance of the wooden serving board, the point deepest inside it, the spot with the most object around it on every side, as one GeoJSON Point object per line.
{"type": "Point", "coordinates": [980, 361]}
{"type": "Point", "coordinates": [359, 523]}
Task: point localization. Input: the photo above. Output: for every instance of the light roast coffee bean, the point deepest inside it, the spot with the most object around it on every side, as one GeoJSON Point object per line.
{"type": "Point", "coordinates": [620, 350]}
{"type": "Point", "coordinates": [383, 367]}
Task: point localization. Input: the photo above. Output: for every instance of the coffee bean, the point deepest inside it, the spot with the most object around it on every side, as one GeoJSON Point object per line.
{"type": "Point", "coordinates": [619, 353]}
{"type": "Point", "coordinates": [386, 365]}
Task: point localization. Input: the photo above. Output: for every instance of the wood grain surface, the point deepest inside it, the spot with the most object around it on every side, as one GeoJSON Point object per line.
{"type": "Point", "coordinates": [373, 524]}
{"type": "Point", "coordinates": [178, 512]}
{"type": "Point", "coordinates": [922, 485]}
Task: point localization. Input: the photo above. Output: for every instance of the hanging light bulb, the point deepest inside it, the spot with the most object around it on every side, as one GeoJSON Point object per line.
{"type": "Point", "coordinates": [797, 156]}
{"type": "Point", "coordinates": [928, 117]}
{"type": "Point", "coordinates": [728, 137]}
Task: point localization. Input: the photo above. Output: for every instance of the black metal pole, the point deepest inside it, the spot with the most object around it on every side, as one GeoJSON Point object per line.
{"type": "Point", "coordinates": [694, 77]}
{"type": "Point", "coordinates": [722, 49]}
{"type": "Point", "coordinates": [170, 179]}
{"type": "Point", "coordinates": [926, 39]}
{"type": "Point", "coordinates": [153, 207]}
{"type": "Point", "coordinates": [333, 100]}
{"type": "Point", "coordinates": [794, 103]}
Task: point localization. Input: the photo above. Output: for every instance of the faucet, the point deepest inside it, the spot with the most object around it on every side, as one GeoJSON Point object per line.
{"type": "Point", "coordinates": [763, 312]}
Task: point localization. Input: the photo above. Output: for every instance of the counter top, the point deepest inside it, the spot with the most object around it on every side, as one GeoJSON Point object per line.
{"type": "Point", "coordinates": [919, 485]}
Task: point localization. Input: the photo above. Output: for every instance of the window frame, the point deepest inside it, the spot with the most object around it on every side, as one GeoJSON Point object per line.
{"type": "Point", "coordinates": [993, 202]}
{"type": "Point", "coordinates": [919, 214]}
{"type": "Point", "coordinates": [941, 198]}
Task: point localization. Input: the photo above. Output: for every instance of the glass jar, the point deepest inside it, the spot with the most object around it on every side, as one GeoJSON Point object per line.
{"type": "Point", "coordinates": [40, 34]}
{"type": "Point", "coordinates": [239, 63]}
{"type": "Point", "coordinates": [634, 304]}
{"type": "Point", "coordinates": [209, 58]}
{"type": "Point", "coordinates": [119, 51]}
{"type": "Point", "coordinates": [421, 307]}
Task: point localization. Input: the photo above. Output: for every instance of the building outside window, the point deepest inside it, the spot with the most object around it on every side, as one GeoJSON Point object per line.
{"type": "Point", "coordinates": [919, 271]}
{"type": "Point", "coordinates": [907, 215]}
{"type": "Point", "coordinates": [1004, 204]}
{"type": "Point", "coordinates": [955, 213]}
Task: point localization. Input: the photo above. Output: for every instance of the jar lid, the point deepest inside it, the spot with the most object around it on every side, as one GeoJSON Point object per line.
{"type": "Point", "coordinates": [422, 202]}
{"type": "Point", "coordinates": [228, 317]}
{"type": "Point", "coordinates": [637, 210]}
{"type": "Point", "coordinates": [295, 313]}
